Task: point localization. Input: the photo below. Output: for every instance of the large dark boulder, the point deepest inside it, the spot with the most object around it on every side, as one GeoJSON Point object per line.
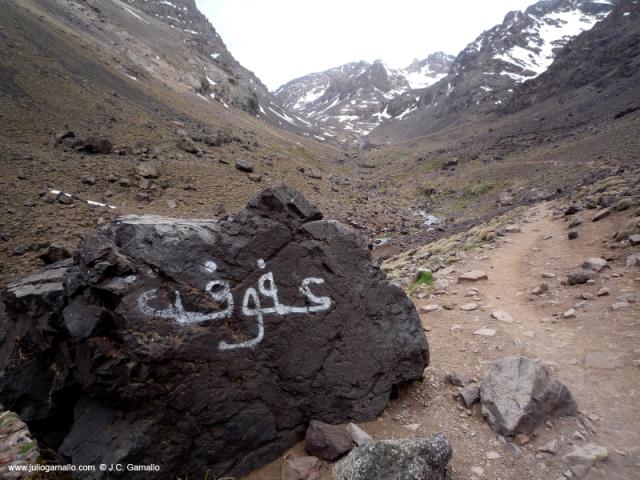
{"type": "Point", "coordinates": [205, 346]}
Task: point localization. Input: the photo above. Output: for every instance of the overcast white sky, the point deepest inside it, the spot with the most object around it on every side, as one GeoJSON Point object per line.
{"type": "Point", "coordinates": [280, 40]}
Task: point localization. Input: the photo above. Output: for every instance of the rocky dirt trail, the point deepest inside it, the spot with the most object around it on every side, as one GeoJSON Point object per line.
{"type": "Point", "coordinates": [590, 347]}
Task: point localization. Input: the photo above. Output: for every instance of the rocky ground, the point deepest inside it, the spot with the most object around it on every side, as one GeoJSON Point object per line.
{"type": "Point", "coordinates": [585, 334]}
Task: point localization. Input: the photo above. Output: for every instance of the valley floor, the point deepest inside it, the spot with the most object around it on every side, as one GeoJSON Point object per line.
{"type": "Point", "coordinates": [596, 353]}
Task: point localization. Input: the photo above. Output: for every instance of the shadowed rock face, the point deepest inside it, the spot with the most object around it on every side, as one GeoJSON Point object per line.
{"type": "Point", "coordinates": [206, 345]}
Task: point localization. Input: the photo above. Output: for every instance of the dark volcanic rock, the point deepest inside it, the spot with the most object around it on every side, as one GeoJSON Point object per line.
{"type": "Point", "coordinates": [414, 458]}
{"type": "Point", "coordinates": [98, 145]}
{"type": "Point", "coordinates": [518, 394]}
{"type": "Point", "coordinates": [206, 346]}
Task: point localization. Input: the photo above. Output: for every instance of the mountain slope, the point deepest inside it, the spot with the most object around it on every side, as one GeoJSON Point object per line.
{"type": "Point", "coordinates": [350, 100]}
{"type": "Point", "coordinates": [484, 75]}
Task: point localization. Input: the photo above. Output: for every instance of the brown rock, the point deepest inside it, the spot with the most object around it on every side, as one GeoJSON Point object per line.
{"type": "Point", "coordinates": [328, 442]}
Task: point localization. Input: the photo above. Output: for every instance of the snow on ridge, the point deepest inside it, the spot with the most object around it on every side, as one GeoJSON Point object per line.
{"type": "Point", "coordinates": [549, 32]}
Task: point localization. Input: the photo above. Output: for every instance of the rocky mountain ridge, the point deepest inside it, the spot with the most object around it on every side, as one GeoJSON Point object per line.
{"type": "Point", "coordinates": [212, 72]}
{"type": "Point", "coordinates": [349, 101]}
{"type": "Point", "coordinates": [485, 75]}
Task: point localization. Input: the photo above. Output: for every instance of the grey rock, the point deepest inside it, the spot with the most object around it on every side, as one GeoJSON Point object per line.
{"type": "Point", "coordinates": [634, 240]}
{"type": "Point", "coordinates": [358, 435]}
{"type": "Point", "coordinates": [518, 394]}
{"type": "Point", "coordinates": [134, 353]}
{"type": "Point", "coordinates": [470, 395]}
{"type": "Point", "coordinates": [147, 170]}
{"type": "Point", "coordinates": [187, 145]}
{"type": "Point", "coordinates": [605, 212]}
{"type": "Point", "coordinates": [301, 468]}
{"type": "Point", "coordinates": [456, 379]}
{"type": "Point", "coordinates": [578, 278]}
{"type": "Point", "coordinates": [244, 166]}
{"type": "Point", "coordinates": [473, 276]}
{"type": "Point", "coordinates": [410, 459]}
{"type": "Point", "coordinates": [255, 177]}
{"type": "Point", "coordinates": [540, 289]}
{"type": "Point", "coordinates": [595, 264]}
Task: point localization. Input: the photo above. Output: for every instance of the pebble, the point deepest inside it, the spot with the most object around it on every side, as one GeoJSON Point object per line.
{"type": "Point", "coordinates": [502, 316]}
{"type": "Point", "coordinates": [604, 291]}
{"type": "Point", "coordinates": [492, 455]}
{"type": "Point", "coordinates": [619, 306]}
{"type": "Point", "coordinates": [429, 308]}
{"type": "Point", "coordinates": [485, 332]}
{"type": "Point", "coordinates": [571, 313]}
{"type": "Point", "coordinates": [468, 307]}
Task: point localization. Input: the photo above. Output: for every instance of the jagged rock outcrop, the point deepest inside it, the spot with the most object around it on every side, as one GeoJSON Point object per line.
{"type": "Point", "coordinates": [205, 346]}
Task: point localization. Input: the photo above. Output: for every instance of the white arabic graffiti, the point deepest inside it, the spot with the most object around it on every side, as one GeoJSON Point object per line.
{"type": "Point", "coordinates": [251, 306]}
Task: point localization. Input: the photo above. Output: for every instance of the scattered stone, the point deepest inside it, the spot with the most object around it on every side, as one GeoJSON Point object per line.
{"type": "Point", "coordinates": [548, 275]}
{"type": "Point", "coordinates": [65, 199]}
{"type": "Point", "coordinates": [187, 145]}
{"type": "Point", "coordinates": [575, 222]}
{"type": "Point", "coordinates": [522, 439]}
{"type": "Point", "coordinates": [571, 313]}
{"type": "Point", "coordinates": [111, 178]}
{"type": "Point", "coordinates": [572, 234]}
{"type": "Point", "coordinates": [518, 394]}
{"type": "Point", "coordinates": [550, 447]}
{"type": "Point", "coordinates": [585, 457]}
{"type": "Point", "coordinates": [485, 332]}
{"type": "Point", "coordinates": [301, 468]}
{"type": "Point", "coordinates": [328, 442]}
{"type": "Point", "coordinates": [594, 263]}
{"type": "Point", "coordinates": [578, 278]}
{"type": "Point", "coordinates": [469, 307]}
{"type": "Point", "coordinates": [62, 135]}
{"type": "Point", "coordinates": [255, 177]}
{"type": "Point", "coordinates": [358, 435]}
{"type": "Point", "coordinates": [124, 182]}
{"type": "Point", "coordinates": [605, 212]}
{"type": "Point", "coordinates": [96, 144]}
{"type": "Point", "coordinates": [586, 296]}
{"type": "Point", "coordinates": [619, 306]}
{"type": "Point", "coordinates": [602, 360]}
{"type": "Point", "coordinates": [429, 308]}
{"type": "Point", "coordinates": [147, 170]}
{"type": "Point", "coordinates": [244, 166]}
{"type": "Point", "coordinates": [414, 458]}
{"type": "Point", "coordinates": [540, 289]}
{"type": "Point", "coordinates": [633, 260]}
{"type": "Point", "coordinates": [154, 348]}
{"type": "Point", "coordinates": [634, 240]}
{"type": "Point", "coordinates": [470, 394]}
{"type": "Point", "coordinates": [89, 180]}
{"type": "Point", "coordinates": [479, 471]}
{"type": "Point", "coordinates": [572, 210]}
{"type": "Point", "coordinates": [492, 455]}
{"type": "Point", "coordinates": [473, 276]}
{"type": "Point", "coordinates": [501, 316]}
{"type": "Point", "coordinates": [143, 197]}
{"type": "Point", "coordinates": [456, 379]}
{"type": "Point", "coordinates": [54, 253]}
